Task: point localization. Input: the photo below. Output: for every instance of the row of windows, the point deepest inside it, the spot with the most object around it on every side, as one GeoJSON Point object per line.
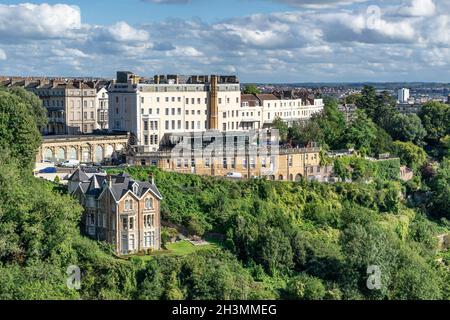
{"type": "Point", "coordinates": [62, 93]}
{"type": "Point", "coordinates": [225, 163]}
{"type": "Point", "coordinates": [148, 204]}
{"type": "Point", "coordinates": [129, 242]}
{"type": "Point", "coordinates": [286, 104]}
{"type": "Point", "coordinates": [178, 99]}
{"type": "Point", "coordinates": [153, 140]}
{"type": "Point", "coordinates": [77, 116]}
{"type": "Point", "coordinates": [282, 104]}
{"type": "Point", "coordinates": [235, 125]}
{"type": "Point", "coordinates": [54, 103]}
{"type": "Point", "coordinates": [265, 162]}
{"type": "Point", "coordinates": [153, 125]}
{"type": "Point", "coordinates": [129, 223]}
{"type": "Point", "coordinates": [177, 125]}
{"type": "Point", "coordinates": [244, 114]}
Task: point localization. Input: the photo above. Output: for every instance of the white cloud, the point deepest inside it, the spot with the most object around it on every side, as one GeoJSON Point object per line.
{"type": "Point", "coordinates": [69, 52]}
{"type": "Point", "coordinates": [184, 51]}
{"type": "Point", "coordinates": [123, 32]}
{"type": "Point", "coordinates": [409, 42]}
{"type": "Point", "coordinates": [43, 20]}
{"type": "Point", "coordinates": [418, 8]}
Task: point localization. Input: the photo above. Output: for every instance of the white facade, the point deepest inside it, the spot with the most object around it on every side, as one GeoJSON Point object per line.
{"type": "Point", "coordinates": [102, 103]}
{"type": "Point", "coordinates": [403, 95]}
{"type": "Point", "coordinates": [290, 110]}
{"type": "Point", "coordinates": [149, 111]}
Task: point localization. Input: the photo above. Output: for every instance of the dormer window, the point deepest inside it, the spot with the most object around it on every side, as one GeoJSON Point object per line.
{"type": "Point", "coordinates": [135, 188]}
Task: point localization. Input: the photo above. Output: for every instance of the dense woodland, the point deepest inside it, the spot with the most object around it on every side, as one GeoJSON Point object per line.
{"type": "Point", "coordinates": [277, 240]}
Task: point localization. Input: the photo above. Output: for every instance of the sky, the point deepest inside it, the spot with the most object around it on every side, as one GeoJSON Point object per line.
{"type": "Point", "coordinates": [272, 41]}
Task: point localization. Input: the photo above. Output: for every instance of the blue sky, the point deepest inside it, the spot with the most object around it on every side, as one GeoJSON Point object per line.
{"type": "Point", "coordinates": [259, 40]}
{"type": "Point", "coordinates": [139, 11]}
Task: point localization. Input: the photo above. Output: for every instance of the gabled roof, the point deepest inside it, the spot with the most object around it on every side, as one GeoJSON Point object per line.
{"type": "Point", "coordinates": [121, 185]}
{"type": "Point", "coordinates": [95, 185]}
{"type": "Point", "coordinates": [84, 174]}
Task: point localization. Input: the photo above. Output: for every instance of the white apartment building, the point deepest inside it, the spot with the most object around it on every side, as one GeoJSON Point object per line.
{"type": "Point", "coordinates": [151, 110]}
{"type": "Point", "coordinates": [403, 95]}
{"type": "Point", "coordinates": [260, 110]}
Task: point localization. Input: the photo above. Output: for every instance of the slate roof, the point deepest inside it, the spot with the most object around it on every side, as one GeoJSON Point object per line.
{"type": "Point", "coordinates": [123, 183]}
{"type": "Point", "coordinates": [84, 174]}
{"type": "Point", "coordinates": [93, 183]}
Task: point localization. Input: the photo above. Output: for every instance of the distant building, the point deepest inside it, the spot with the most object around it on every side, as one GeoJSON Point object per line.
{"type": "Point", "coordinates": [403, 95]}
{"type": "Point", "coordinates": [172, 104]}
{"type": "Point", "coordinates": [102, 108]}
{"type": "Point", "coordinates": [286, 164]}
{"type": "Point", "coordinates": [119, 210]}
{"type": "Point", "coordinates": [73, 106]}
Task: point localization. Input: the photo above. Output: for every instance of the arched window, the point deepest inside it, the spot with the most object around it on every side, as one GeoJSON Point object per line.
{"type": "Point", "coordinates": [149, 203]}
{"type": "Point", "coordinates": [128, 204]}
{"type": "Point", "coordinates": [135, 188]}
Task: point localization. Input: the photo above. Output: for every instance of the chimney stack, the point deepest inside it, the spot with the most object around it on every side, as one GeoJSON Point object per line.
{"type": "Point", "coordinates": [151, 178]}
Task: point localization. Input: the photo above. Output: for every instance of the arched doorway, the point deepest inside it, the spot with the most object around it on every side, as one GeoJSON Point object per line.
{"type": "Point", "coordinates": [298, 177]}
{"type": "Point", "coordinates": [109, 151]}
{"type": "Point", "coordinates": [98, 156]}
{"type": "Point", "coordinates": [280, 177]}
{"type": "Point", "coordinates": [72, 154]}
{"type": "Point", "coordinates": [48, 155]}
{"type": "Point", "coordinates": [60, 155]}
{"type": "Point", "coordinates": [85, 154]}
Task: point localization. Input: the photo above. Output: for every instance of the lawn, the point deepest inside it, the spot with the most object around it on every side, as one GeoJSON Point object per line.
{"type": "Point", "coordinates": [181, 248]}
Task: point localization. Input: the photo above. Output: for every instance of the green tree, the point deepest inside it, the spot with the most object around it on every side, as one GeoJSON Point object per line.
{"type": "Point", "coordinates": [410, 154]}
{"type": "Point", "coordinates": [436, 120]}
{"type": "Point", "coordinates": [415, 279]}
{"type": "Point", "coordinates": [282, 128]}
{"type": "Point", "coordinates": [301, 134]}
{"type": "Point", "coordinates": [305, 287]}
{"type": "Point", "coordinates": [407, 128]}
{"type": "Point", "coordinates": [382, 143]}
{"type": "Point", "coordinates": [18, 129]}
{"type": "Point", "coordinates": [440, 204]}
{"type": "Point", "coordinates": [251, 89]}
{"type": "Point", "coordinates": [33, 103]}
{"type": "Point", "coordinates": [385, 110]}
{"type": "Point", "coordinates": [361, 133]}
{"type": "Point", "coordinates": [367, 101]}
